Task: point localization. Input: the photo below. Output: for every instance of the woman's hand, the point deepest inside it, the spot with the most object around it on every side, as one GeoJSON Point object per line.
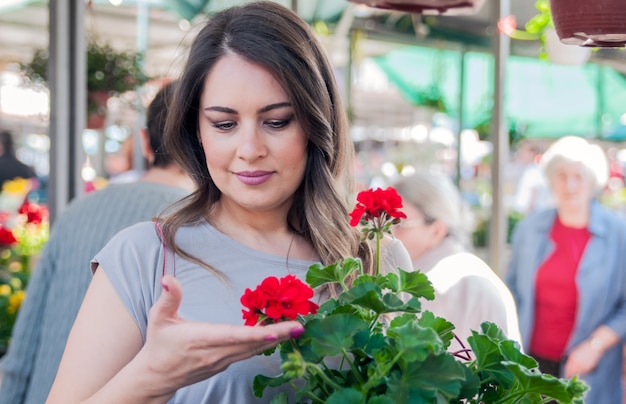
{"type": "Point", "coordinates": [585, 356]}
{"type": "Point", "coordinates": [582, 359]}
{"type": "Point", "coordinates": [178, 352]}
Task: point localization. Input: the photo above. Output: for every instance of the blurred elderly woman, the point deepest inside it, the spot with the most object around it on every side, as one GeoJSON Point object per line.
{"type": "Point", "coordinates": [436, 233]}
{"type": "Point", "coordinates": [568, 274]}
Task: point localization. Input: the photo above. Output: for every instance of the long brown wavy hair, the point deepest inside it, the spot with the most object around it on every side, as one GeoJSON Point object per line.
{"type": "Point", "coordinates": [272, 36]}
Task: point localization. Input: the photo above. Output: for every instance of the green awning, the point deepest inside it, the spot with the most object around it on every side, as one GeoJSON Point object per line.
{"type": "Point", "coordinates": [542, 99]}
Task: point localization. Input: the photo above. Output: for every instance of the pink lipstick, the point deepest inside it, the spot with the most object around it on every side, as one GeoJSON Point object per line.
{"type": "Point", "coordinates": [254, 177]}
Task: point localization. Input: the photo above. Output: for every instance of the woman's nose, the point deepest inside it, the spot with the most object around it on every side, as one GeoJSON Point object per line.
{"type": "Point", "coordinates": [252, 144]}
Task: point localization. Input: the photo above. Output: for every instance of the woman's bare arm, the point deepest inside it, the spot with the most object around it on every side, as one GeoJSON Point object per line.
{"type": "Point", "coordinates": [104, 360]}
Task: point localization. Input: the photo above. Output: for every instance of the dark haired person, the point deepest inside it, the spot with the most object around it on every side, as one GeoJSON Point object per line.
{"type": "Point", "coordinates": [62, 275]}
{"type": "Point", "coordinates": [10, 166]}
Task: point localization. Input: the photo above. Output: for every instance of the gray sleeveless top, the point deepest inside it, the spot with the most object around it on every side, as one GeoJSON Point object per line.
{"type": "Point", "coordinates": [133, 262]}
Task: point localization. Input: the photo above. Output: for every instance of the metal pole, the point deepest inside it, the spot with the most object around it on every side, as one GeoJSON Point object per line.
{"type": "Point", "coordinates": [143, 19]}
{"type": "Point", "coordinates": [67, 78]}
{"type": "Point", "coordinates": [498, 223]}
{"type": "Point", "coordinates": [461, 112]}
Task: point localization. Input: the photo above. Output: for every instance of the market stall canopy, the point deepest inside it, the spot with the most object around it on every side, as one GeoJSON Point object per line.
{"type": "Point", "coordinates": [542, 99]}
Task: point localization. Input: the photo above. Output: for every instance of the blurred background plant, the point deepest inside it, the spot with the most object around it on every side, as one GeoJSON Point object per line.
{"type": "Point", "coordinates": [24, 229]}
{"type": "Point", "coordinates": [107, 68]}
{"type": "Point", "coordinates": [109, 71]}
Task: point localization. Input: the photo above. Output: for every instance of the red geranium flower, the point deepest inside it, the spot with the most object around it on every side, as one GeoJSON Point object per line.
{"type": "Point", "coordinates": [276, 300]}
{"type": "Point", "coordinates": [35, 213]}
{"type": "Point", "coordinates": [377, 203]}
{"type": "Point", "coordinates": [7, 238]}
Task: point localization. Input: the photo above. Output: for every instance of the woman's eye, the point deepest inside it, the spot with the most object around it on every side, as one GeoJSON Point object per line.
{"type": "Point", "coordinates": [223, 125]}
{"type": "Point", "coordinates": [278, 124]}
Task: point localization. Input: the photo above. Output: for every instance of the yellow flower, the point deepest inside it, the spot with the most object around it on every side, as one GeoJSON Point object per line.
{"type": "Point", "coordinates": [16, 186]}
{"type": "Point", "coordinates": [15, 301]}
{"type": "Point", "coordinates": [5, 290]}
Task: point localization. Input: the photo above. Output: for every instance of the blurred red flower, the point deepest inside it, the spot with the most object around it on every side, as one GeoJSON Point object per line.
{"type": "Point", "coordinates": [35, 213]}
{"type": "Point", "coordinates": [7, 238]}
{"type": "Point", "coordinates": [276, 300]}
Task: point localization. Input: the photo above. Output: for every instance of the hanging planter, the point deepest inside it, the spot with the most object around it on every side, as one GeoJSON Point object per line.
{"type": "Point", "coordinates": [421, 6]}
{"type": "Point", "coordinates": [97, 108]}
{"type": "Point", "coordinates": [591, 23]}
{"type": "Point", "coordinates": [109, 72]}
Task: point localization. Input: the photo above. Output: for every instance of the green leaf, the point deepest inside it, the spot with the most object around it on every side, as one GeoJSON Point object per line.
{"type": "Point", "coordinates": [414, 342]}
{"type": "Point", "coordinates": [492, 331]}
{"type": "Point", "coordinates": [436, 379]}
{"type": "Point", "coordinates": [261, 382]}
{"type": "Point", "coordinates": [280, 398]}
{"type": "Point", "coordinates": [470, 386]}
{"type": "Point", "coordinates": [381, 400]}
{"type": "Point", "coordinates": [331, 335]}
{"type": "Point", "coordinates": [536, 383]}
{"type": "Point", "coordinates": [416, 284]}
{"type": "Point", "coordinates": [442, 327]}
{"type": "Point", "coordinates": [369, 296]}
{"type": "Point", "coordinates": [318, 274]}
{"type": "Point", "coordinates": [346, 396]}
{"type": "Point", "coordinates": [489, 358]}
{"type": "Point", "coordinates": [379, 280]}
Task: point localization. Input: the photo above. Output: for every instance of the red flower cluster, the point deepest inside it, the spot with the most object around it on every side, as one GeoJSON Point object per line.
{"type": "Point", "coordinates": [6, 237]}
{"type": "Point", "coordinates": [276, 300]}
{"type": "Point", "coordinates": [374, 203]}
{"type": "Point", "coordinates": [35, 213]}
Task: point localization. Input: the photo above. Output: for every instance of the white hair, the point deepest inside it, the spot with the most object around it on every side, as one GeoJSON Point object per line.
{"type": "Point", "coordinates": [574, 149]}
{"type": "Point", "coordinates": [436, 196]}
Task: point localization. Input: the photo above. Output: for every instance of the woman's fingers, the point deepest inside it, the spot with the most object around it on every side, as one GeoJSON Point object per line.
{"type": "Point", "coordinates": [166, 307]}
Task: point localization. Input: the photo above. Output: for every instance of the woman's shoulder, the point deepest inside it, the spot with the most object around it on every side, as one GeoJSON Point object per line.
{"type": "Point", "coordinates": [146, 230]}
{"type": "Point", "coordinates": [606, 221]}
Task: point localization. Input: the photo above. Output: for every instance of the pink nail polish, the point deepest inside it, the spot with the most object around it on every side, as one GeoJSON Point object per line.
{"type": "Point", "coordinates": [270, 338]}
{"type": "Point", "coordinates": [296, 332]}
{"type": "Point", "coordinates": [165, 287]}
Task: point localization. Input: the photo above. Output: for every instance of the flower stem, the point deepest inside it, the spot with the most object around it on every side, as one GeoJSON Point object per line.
{"type": "Point", "coordinates": [313, 369]}
{"type": "Point", "coordinates": [378, 236]}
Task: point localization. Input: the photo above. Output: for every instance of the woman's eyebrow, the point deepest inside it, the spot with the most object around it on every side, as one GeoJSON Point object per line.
{"type": "Point", "coordinates": [264, 109]}
{"type": "Point", "coordinates": [221, 109]}
{"type": "Point", "coordinates": [275, 106]}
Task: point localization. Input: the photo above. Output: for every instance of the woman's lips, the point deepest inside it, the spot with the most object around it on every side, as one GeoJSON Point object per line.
{"type": "Point", "coordinates": [254, 177]}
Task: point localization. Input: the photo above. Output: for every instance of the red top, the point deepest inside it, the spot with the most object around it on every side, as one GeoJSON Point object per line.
{"type": "Point", "coordinates": [556, 295]}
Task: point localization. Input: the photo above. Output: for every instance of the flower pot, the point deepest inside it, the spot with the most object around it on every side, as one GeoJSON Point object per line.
{"type": "Point", "coordinates": [421, 6]}
{"type": "Point", "coordinates": [563, 54]}
{"type": "Point", "coordinates": [96, 109]}
{"type": "Point", "coordinates": [593, 23]}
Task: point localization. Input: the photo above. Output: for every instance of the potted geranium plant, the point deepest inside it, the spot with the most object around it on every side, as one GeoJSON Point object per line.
{"type": "Point", "coordinates": [371, 345]}
{"type": "Point", "coordinates": [109, 72]}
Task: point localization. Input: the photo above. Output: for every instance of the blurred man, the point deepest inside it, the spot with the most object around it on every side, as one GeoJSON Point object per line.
{"type": "Point", "coordinates": [62, 274]}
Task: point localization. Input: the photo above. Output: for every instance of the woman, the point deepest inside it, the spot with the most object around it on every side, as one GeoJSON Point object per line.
{"type": "Point", "coordinates": [568, 274]}
{"type": "Point", "coordinates": [436, 234]}
{"type": "Point", "coordinates": [257, 123]}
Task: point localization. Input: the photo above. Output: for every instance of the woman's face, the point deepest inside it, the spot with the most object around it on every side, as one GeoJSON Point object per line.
{"type": "Point", "coordinates": [255, 148]}
{"type": "Point", "coordinates": [571, 185]}
{"type": "Point", "coordinates": [417, 232]}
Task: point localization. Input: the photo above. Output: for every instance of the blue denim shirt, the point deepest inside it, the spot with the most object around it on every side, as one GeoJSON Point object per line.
{"type": "Point", "coordinates": [601, 283]}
